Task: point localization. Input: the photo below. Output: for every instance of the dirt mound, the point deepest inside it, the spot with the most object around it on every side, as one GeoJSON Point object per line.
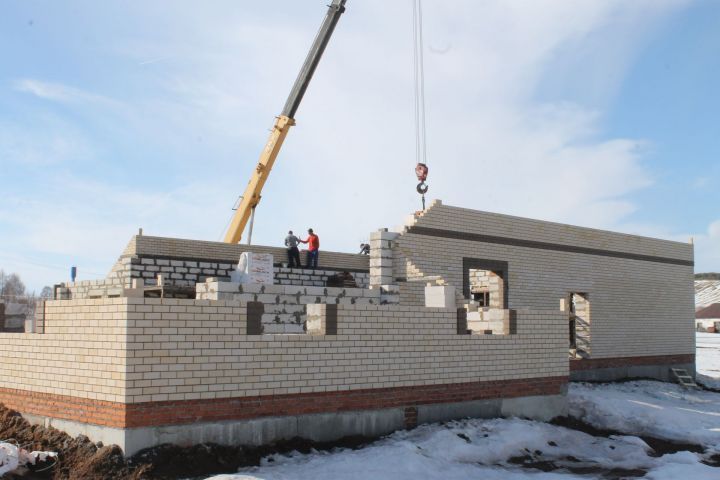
{"type": "Point", "coordinates": [81, 459]}
{"type": "Point", "coordinates": [169, 462]}
{"type": "Point", "coordinates": [78, 458]}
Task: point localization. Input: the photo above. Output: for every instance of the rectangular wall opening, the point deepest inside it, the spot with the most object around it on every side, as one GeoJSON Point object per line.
{"type": "Point", "coordinates": [579, 324]}
{"type": "Point", "coordinates": [485, 289]}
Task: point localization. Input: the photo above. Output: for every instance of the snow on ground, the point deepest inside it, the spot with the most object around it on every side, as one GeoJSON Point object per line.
{"type": "Point", "coordinates": [494, 449]}
{"type": "Point", "coordinates": [656, 409]}
{"type": "Point", "coordinates": [708, 359]}
{"type": "Point", "coordinates": [487, 449]}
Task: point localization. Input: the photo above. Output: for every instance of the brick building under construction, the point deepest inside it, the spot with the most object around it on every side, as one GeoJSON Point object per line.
{"type": "Point", "coordinates": [458, 313]}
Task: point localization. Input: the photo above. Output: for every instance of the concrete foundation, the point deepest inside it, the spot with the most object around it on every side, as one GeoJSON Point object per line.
{"type": "Point", "coordinates": [322, 427]}
{"type": "Point", "coordinates": [611, 374]}
{"type": "Point", "coordinates": [543, 408]}
{"type": "Point", "coordinates": [262, 431]}
{"type": "Point", "coordinates": [97, 433]}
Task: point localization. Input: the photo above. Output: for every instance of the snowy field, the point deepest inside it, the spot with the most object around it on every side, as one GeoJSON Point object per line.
{"type": "Point", "coordinates": [521, 449]}
{"type": "Point", "coordinates": [708, 359]}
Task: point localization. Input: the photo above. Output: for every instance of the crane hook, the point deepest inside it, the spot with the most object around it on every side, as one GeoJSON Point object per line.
{"type": "Point", "coordinates": [421, 171]}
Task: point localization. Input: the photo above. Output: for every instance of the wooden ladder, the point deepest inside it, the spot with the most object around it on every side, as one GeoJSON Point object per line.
{"type": "Point", "coordinates": [684, 378]}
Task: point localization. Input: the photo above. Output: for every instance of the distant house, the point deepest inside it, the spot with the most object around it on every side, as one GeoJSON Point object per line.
{"type": "Point", "coordinates": [706, 318]}
{"type": "Point", "coordinates": [12, 317]}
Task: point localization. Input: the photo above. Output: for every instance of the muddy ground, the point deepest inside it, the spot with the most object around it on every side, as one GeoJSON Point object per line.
{"type": "Point", "coordinates": [81, 459]}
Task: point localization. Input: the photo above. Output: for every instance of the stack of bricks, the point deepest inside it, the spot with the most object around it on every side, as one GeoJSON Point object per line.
{"type": "Point", "coordinates": [494, 321]}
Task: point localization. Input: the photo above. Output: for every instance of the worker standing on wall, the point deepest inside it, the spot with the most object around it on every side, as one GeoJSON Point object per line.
{"type": "Point", "coordinates": [313, 242]}
{"type": "Point", "coordinates": [293, 254]}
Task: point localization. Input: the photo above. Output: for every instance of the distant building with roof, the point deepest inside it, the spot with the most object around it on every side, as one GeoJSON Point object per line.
{"type": "Point", "coordinates": [706, 318]}
{"type": "Point", "coordinates": [12, 316]}
{"type": "Point", "coordinates": [707, 292]}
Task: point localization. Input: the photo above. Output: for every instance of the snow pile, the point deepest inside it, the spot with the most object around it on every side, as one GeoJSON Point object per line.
{"type": "Point", "coordinates": [488, 449]}
{"type": "Point", "coordinates": [708, 359]}
{"type": "Point", "coordinates": [662, 410]}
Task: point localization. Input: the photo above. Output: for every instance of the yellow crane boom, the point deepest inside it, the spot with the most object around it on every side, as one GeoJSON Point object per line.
{"type": "Point", "coordinates": [251, 197]}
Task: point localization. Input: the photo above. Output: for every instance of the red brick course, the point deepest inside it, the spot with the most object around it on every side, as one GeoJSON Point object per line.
{"type": "Point", "coordinates": [593, 363]}
{"type": "Point", "coordinates": [190, 411]}
{"type": "Point", "coordinates": [85, 410]}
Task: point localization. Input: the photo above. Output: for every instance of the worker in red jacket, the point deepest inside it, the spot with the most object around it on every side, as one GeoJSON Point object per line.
{"type": "Point", "coordinates": [313, 242]}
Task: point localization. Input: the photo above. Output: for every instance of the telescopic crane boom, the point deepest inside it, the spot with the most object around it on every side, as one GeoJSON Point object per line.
{"type": "Point", "coordinates": [251, 197]}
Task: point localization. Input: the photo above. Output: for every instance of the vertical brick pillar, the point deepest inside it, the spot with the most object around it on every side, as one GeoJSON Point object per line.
{"type": "Point", "coordinates": [411, 417]}
{"type": "Point", "coordinates": [381, 257]}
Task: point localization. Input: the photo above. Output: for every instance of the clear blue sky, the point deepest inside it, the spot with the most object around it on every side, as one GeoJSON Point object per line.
{"type": "Point", "coordinates": [670, 97]}
{"type": "Point", "coordinates": [118, 115]}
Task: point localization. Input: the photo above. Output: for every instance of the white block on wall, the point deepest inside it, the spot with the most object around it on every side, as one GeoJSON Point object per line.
{"type": "Point", "coordinates": [440, 296]}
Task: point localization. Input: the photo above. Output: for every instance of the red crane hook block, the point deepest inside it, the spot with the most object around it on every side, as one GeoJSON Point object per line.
{"type": "Point", "coordinates": [421, 170]}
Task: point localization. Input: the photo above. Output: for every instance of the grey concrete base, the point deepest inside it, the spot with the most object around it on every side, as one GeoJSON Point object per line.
{"type": "Point", "coordinates": [541, 408]}
{"type": "Point", "coordinates": [611, 374]}
{"type": "Point", "coordinates": [322, 427]}
{"type": "Point", "coordinates": [441, 412]}
{"type": "Point", "coordinates": [97, 433]}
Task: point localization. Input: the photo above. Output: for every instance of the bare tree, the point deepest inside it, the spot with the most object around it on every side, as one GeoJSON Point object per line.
{"type": "Point", "coordinates": [11, 285]}
{"type": "Point", "coordinates": [46, 293]}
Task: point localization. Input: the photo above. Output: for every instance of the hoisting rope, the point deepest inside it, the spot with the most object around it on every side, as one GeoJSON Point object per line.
{"type": "Point", "coordinates": [421, 169]}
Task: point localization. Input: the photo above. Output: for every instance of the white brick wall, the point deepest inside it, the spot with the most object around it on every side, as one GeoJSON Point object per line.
{"type": "Point", "coordinates": [143, 349]}
{"type": "Point", "coordinates": [82, 352]}
{"type": "Point", "coordinates": [638, 307]}
{"type": "Point", "coordinates": [183, 349]}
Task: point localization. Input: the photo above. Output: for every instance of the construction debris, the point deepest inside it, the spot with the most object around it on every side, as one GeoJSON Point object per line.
{"type": "Point", "coordinates": [13, 457]}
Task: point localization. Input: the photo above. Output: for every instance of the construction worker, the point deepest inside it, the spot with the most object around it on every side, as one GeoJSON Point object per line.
{"type": "Point", "coordinates": [293, 254]}
{"type": "Point", "coordinates": [313, 242]}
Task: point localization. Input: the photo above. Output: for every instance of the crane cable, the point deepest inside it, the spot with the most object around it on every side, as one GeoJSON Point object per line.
{"type": "Point", "coordinates": [421, 169]}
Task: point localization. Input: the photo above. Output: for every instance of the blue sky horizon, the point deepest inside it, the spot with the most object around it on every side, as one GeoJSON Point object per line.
{"type": "Point", "coordinates": [117, 116]}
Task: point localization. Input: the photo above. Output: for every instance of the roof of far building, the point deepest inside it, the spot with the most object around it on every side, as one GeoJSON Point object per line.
{"type": "Point", "coordinates": [707, 292]}
{"type": "Point", "coordinates": [712, 311]}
